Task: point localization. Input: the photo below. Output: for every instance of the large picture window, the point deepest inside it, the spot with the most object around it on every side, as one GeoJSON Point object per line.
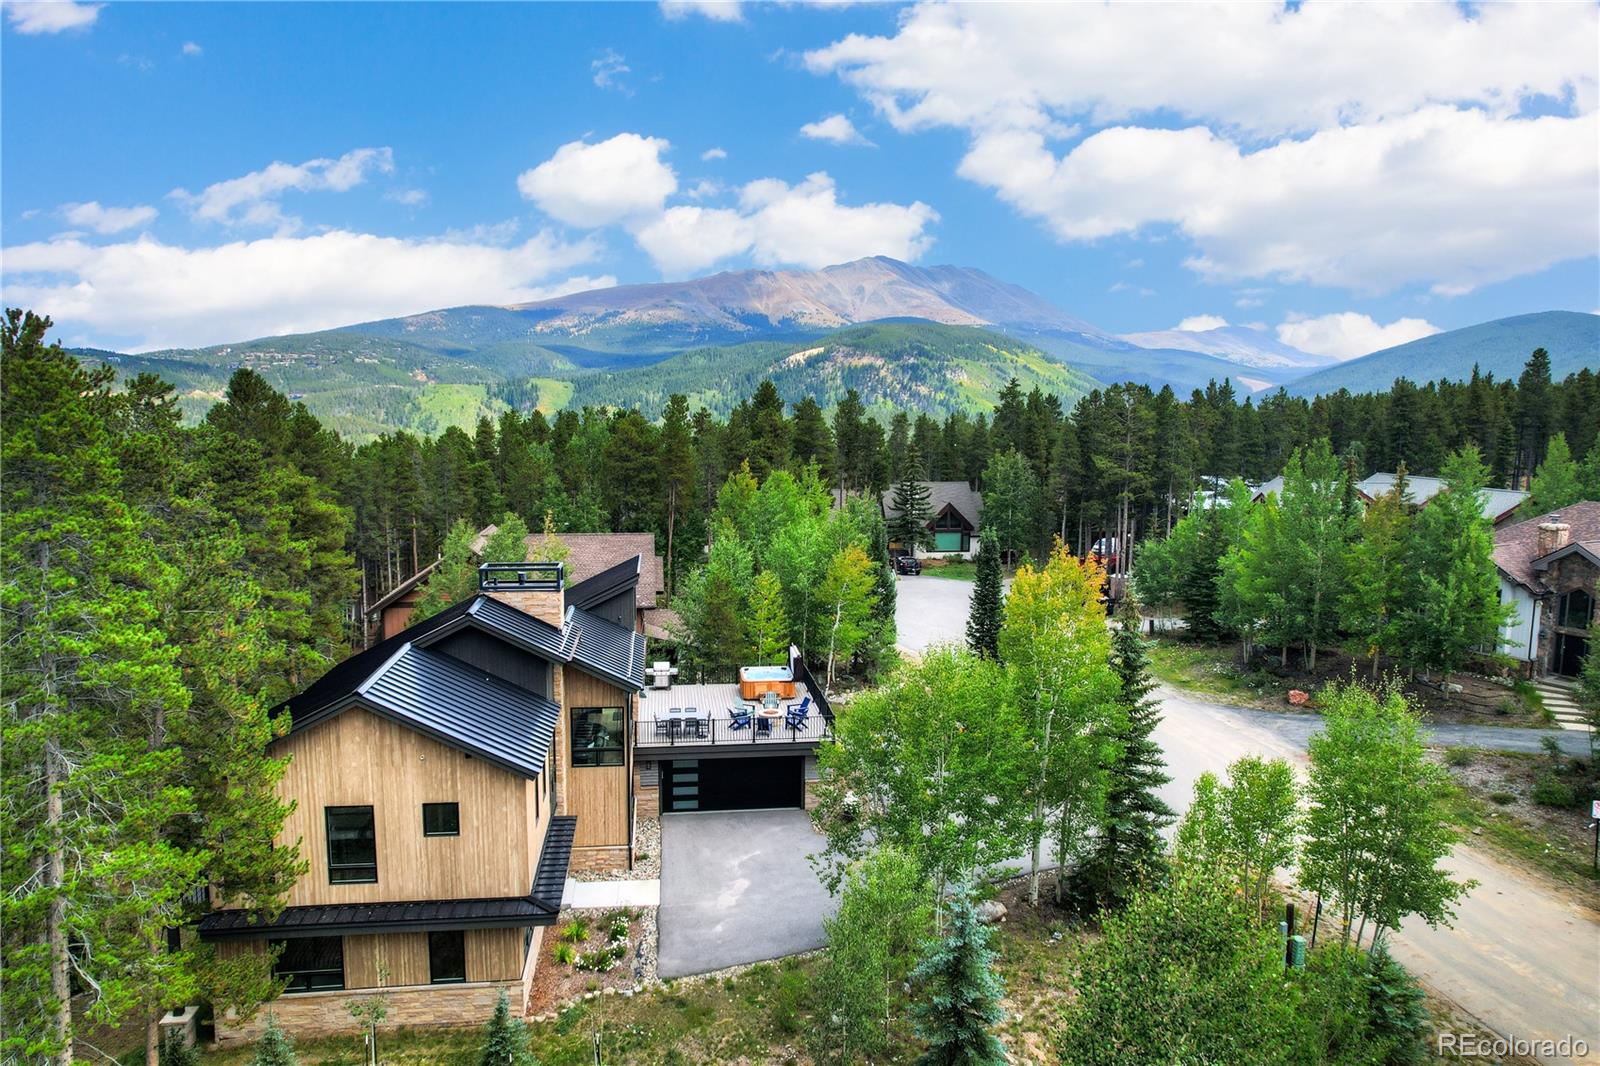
{"type": "Point", "coordinates": [1576, 607]}
{"type": "Point", "coordinates": [310, 963]}
{"type": "Point", "coordinates": [352, 845]}
{"type": "Point", "coordinates": [447, 957]}
{"type": "Point", "coordinates": [597, 736]}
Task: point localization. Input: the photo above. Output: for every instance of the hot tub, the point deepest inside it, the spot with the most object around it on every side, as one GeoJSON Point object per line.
{"type": "Point", "coordinates": [756, 681]}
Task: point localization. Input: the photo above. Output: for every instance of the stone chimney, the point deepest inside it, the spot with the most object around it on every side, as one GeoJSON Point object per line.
{"type": "Point", "coordinates": [1553, 534]}
{"type": "Point", "coordinates": [532, 588]}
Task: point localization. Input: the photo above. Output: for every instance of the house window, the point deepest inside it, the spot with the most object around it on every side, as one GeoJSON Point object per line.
{"type": "Point", "coordinates": [441, 820]}
{"type": "Point", "coordinates": [1576, 607]}
{"type": "Point", "coordinates": [950, 533]}
{"type": "Point", "coordinates": [352, 845]}
{"type": "Point", "coordinates": [447, 957]}
{"type": "Point", "coordinates": [597, 736]}
{"type": "Point", "coordinates": [310, 963]}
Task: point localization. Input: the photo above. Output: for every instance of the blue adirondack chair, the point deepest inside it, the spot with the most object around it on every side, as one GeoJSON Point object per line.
{"type": "Point", "coordinates": [740, 719]}
{"type": "Point", "coordinates": [797, 714]}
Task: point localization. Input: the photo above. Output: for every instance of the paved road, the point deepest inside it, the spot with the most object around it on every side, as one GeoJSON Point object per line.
{"type": "Point", "coordinates": [929, 611]}
{"type": "Point", "coordinates": [1520, 956]}
{"type": "Point", "coordinates": [736, 888]}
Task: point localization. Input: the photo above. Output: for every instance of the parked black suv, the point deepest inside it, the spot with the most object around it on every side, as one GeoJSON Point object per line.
{"type": "Point", "coordinates": [907, 564]}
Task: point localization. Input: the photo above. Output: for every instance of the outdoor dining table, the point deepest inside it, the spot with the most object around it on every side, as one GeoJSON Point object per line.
{"type": "Point", "coordinates": [688, 721]}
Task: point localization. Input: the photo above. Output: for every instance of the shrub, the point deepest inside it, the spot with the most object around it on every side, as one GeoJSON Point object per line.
{"type": "Point", "coordinates": [1503, 799]}
{"type": "Point", "coordinates": [274, 1048]}
{"type": "Point", "coordinates": [1550, 791]}
{"type": "Point", "coordinates": [174, 1052]}
{"type": "Point", "coordinates": [566, 954]}
{"type": "Point", "coordinates": [1396, 1011]}
{"type": "Point", "coordinates": [575, 931]}
{"type": "Point", "coordinates": [1458, 756]}
{"type": "Point", "coordinates": [619, 929]}
{"type": "Point", "coordinates": [602, 959]}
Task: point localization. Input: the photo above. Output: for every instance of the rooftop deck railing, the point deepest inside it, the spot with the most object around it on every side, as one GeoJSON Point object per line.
{"type": "Point", "coordinates": [679, 731]}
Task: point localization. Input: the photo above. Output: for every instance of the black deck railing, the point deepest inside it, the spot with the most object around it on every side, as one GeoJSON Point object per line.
{"type": "Point", "coordinates": [721, 730]}
{"type": "Point", "coordinates": [533, 577]}
{"type": "Point", "coordinates": [798, 670]}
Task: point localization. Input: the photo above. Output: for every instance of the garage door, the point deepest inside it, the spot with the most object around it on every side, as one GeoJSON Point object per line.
{"type": "Point", "coordinates": [732, 784]}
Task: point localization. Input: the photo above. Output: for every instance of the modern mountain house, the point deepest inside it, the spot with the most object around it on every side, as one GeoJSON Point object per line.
{"type": "Point", "coordinates": [1549, 570]}
{"type": "Point", "coordinates": [1499, 505]}
{"type": "Point", "coordinates": [445, 780]}
{"type": "Point", "coordinates": [955, 509]}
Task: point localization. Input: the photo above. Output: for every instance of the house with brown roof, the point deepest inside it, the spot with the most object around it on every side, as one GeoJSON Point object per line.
{"type": "Point", "coordinates": [1549, 571]}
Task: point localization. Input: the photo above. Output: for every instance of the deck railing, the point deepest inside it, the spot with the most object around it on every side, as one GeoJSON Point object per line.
{"type": "Point", "coordinates": [683, 731]}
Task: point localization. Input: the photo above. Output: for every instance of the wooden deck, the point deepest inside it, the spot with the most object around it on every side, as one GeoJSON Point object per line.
{"type": "Point", "coordinates": [713, 725]}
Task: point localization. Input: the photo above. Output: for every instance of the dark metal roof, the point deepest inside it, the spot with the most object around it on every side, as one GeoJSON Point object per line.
{"type": "Point", "coordinates": [523, 630]}
{"type": "Point", "coordinates": [539, 907]}
{"type": "Point", "coordinates": [463, 707]}
{"type": "Point", "coordinates": [606, 649]}
{"type": "Point", "coordinates": [343, 678]}
{"type": "Point", "coordinates": [612, 581]}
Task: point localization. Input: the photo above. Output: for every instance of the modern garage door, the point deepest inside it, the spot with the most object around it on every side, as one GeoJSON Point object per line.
{"type": "Point", "coordinates": [732, 784]}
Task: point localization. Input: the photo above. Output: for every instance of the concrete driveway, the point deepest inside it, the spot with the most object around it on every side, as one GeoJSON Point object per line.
{"type": "Point", "coordinates": [736, 888]}
{"type": "Point", "coordinates": [929, 611]}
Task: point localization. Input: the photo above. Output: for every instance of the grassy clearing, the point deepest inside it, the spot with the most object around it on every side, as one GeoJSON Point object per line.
{"type": "Point", "coordinates": [1490, 800]}
{"type": "Point", "coordinates": [960, 570]}
{"type": "Point", "coordinates": [1213, 670]}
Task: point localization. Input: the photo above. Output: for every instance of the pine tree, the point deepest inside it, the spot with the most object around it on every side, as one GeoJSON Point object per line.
{"type": "Point", "coordinates": [960, 992]}
{"type": "Point", "coordinates": [1129, 843]}
{"type": "Point", "coordinates": [505, 1039]}
{"type": "Point", "coordinates": [983, 623]}
{"type": "Point", "coordinates": [275, 1048]}
{"type": "Point", "coordinates": [908, 525]}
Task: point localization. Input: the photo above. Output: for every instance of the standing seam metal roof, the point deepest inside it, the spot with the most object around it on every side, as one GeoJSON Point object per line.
{"type": "Point", "coordinates": [477, 712]}
{"type": "Point", "coordinates": [606, 648]}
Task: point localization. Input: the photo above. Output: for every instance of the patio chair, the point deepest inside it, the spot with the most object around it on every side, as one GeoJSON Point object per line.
{"type": "Point", "coordinates": [694, 723]}
{"type": "Point", "coordinates": [739, 719]}
{"type": "Point", "coordinates": [665, 727]}
{"type": "Point", "coordinates": [797, 714]}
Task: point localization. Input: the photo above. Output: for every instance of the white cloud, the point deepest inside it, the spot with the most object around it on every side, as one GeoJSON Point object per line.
{"type": "Point", "coordinates": [163, 295]}
{"type": "Point", "coordinates": [407, 197]}
{"type": "Point", "coordinates": [713, 153]}
{"type": "Point", "coordinates": [93, 215]}
{"type": "Point", "coordinates": [836, 128]}
{"type": "Point", "coordinates": [603, 183]}
{"type": "Point", "coordinates": [780, 224]}
{"type": "Point", "coordinates": [1358, 145]}
{"type": "Point", "coordinates": [1347, 334]}
{"type": "Point", "coordinates": [609, 69]}
{"type": "Point", "coordinates": [1201, 323]}
{"type": "Point", "coordinates": [192, 49]}
{"type": "Point", "coordinates": [253, 198]}
{"type": "Point", "coordinates": [53, 16]}
{"type": "Point", "coordinates": [716, 10]}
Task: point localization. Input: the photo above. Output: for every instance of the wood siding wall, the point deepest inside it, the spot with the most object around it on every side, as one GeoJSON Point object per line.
{"type": "Point", "coordinates": [358, 759]}
{"type": "Point", "coordinates": [598, 795]}
{"type": "Point", "coordinates": [492, 955]}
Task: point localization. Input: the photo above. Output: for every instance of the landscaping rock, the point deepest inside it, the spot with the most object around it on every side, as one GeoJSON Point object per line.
{"type": "Point", "coordinates": [991, 911]}
{"type": "Point", "coordinates": [1298, 698]}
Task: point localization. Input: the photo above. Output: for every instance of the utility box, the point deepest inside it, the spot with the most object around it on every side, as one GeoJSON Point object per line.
{"type": "Point", "coordinates": [1297, 952]}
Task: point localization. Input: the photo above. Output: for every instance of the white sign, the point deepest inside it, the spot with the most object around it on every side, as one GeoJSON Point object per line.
{"type": "Point", "coordinates": [1594, 810]}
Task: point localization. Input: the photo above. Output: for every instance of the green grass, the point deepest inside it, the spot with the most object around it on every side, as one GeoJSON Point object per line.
{"type": "Point", "coordinates": [437, 407]}
{"type": "Point", "coordinates": [1525, 846]}
{"type": "Point", "coordinates": [955, 571]}
{"type": "Point", "coordinates": [1211, 670]}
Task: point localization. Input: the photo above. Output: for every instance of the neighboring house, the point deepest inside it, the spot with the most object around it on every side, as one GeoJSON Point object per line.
{"type": "Point", "coordinates": [444, 781]}
{"type": "Point", "coordinates": [588, 554]}
{"type": "Point", "coordinates": [955, 510]}
{"type": "Point", "coordinates": [1549, 569]}
{"type": "Point", "coordinates": [1499, 505]}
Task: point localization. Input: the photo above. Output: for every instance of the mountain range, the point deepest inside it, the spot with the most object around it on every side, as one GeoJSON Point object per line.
{"type": "Point", "coordinates": [907, 337]}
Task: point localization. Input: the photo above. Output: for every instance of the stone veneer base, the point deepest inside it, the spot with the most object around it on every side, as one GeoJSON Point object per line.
{"type": "Point", "coordinates": [327, 1013]}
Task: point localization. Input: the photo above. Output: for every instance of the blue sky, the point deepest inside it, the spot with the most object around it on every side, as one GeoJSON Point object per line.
{"type": "Point", "coordinates": [1116, 160]}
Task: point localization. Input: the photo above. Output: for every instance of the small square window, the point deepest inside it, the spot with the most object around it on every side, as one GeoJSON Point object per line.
{"type": "Point", "coordinates": [447, 957]}
{"type": "Point", "coordinates": [441, 820]}
{"type": "Point", "coordinates": [352, 845]}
